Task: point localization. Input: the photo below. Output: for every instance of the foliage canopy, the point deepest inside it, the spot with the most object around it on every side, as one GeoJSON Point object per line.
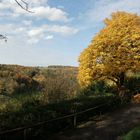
{"type": "Point", "coordinates": [114, 51]}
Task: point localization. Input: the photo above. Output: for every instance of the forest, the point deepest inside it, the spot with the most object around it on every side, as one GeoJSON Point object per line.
{"type": "Point", "coordinates": [59, 81]}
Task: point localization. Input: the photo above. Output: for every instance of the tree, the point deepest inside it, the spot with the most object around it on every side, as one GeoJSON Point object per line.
{"type": "Point", "coordinates": [113, 52]}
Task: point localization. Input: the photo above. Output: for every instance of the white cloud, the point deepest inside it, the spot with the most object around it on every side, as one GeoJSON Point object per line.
{"type": "Point", "coordinates": [35, 32]}
{"type": "Point", "coordinates": [12, 29]}
{"type": "Point", "coordinates": [33, 40]}
{"type": "Point", "coordinates": [103, 9]}
{"type": "Point", "coordinates": [25, 27]}
{"type": "Point", "coordinates": [52, 14]}
{"type": "Point", "coordinates": [22, 23]}
{"type": "Point", "coordinates": [49, 37]}
{"type": "Point", "coordinates": [27, 22]}
{"type": "Point", "coordinates": [6, 27]}
{"type": "Point", "coordinates": [41, 33]}
{"type": "Point", "coordinates": [4, 6]}
{"type": "Point", "coordinates": [35, 35]}
{"type": "Point", "coordinates": [37, 2]}
{"type": "Point", "coordinates": [63, 30]}
{"type": "Point", "coordinates": [40, 8]}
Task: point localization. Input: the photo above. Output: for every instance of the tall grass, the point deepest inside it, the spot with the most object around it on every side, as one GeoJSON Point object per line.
{"type": "Point", "coordinates": [27, 110]}
{"type": "Point", "coordinates": [134, 134]}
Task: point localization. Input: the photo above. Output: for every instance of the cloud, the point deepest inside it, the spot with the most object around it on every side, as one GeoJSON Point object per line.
{"type": "Point", "coordinates": [4, 6]}
{"type": "Point", "coordinates": [40, 8]}
{"type": "Point", "coordinates": [12, 29]}
{"type": "Point", "coordinates": [18, 22]}
{"type": "Point", "coordinates": [52, 14]}
{"type": "Point", "coordinates": [37, 2]}
{"type": "Point", "coordinates": [33, 40]}
{"type": "Point", "coordinates": [49, 37]}
{"type": "Point", "coordinates": [43, 12]}
{"type": "Point", "coordinates": [35, 32]}
{"type": "Point", "coordinates": [27, 22]}
{"type": "Point", "coordinates": [41, 33]}
{"type": "Point", "coordinates": [59, 29]}
{"type": "Point", "coordinates": [35, 35]}
{"type": "Point", "coordinates": [101, 9]}
{"type": "Point", "coordinates": [6, 28]}
{"type": "Point", "coordinates": [63, 30]}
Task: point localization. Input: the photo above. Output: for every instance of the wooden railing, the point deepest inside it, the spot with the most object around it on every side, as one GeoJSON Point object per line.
{"type": "Point", "coordinates": [24, 129]}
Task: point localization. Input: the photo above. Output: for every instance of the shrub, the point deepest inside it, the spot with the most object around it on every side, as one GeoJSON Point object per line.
{"type": "Point", "coordinates": [33, 110]}
{"type": "Point", "coordinates": [134, 134]}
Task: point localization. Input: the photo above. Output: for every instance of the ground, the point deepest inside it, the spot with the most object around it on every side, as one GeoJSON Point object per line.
{"type": "Point", "coordinates": [109, 127]}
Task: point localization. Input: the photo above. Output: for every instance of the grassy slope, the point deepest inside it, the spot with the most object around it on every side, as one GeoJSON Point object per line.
{"type": "Point", "coordinates": [134, 134]}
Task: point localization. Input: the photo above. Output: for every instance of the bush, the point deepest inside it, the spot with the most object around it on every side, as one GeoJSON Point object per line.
{"type": "Point", "coordinates": [33, 109]}
{"type": "Point", "coordinates": [98, 88]}
{"type": "Point", "coordinates": [133, 84]}
{"type": "Point", "coordinates": [134, 134]}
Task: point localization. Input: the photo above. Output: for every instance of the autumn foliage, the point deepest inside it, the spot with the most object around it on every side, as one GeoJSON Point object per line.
{"type": "Point", "coordinates": [56, 82]}
{"type": "Point", "coordinates": [113, 52]}
{"type": "Point", "coordinates": [136, 98]}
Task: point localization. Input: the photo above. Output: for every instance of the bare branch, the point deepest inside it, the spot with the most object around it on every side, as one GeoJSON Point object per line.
{"type": "Point", "coordinates": [24, 5]}
{"type": "Point", "coordinates": [3, 37]}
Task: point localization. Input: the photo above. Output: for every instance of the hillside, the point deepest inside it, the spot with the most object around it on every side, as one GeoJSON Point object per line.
{"type": "Point", "coordinates": [17, 79]}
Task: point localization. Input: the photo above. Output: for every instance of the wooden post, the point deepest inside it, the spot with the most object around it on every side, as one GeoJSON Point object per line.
{"type": "Point", "coordinates": [74, 121]}
{"type": "Point", "coordinates": [100, 113]}
{"type": "Point", "coordinates": [25, 134]}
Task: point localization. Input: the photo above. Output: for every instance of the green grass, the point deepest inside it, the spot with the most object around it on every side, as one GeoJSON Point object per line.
{"type": "Point", "coordinates": [134, 134]}
{"type": "Point", "coordinates": [32, 108]}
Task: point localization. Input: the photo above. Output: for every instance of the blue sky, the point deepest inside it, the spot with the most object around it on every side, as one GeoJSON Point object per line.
{"type": "Point", "coordinates": [56, 32]}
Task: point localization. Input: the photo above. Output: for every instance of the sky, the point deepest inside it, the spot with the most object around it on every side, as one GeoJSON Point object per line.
{"type": "Point", "coordinates": [56, 32]}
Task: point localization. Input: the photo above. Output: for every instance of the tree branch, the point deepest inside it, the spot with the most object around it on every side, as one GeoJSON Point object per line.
{"type": "Point", "coordinates": [112, 79]}
{"type": "Point", "coordinates": [24, 5]}
{"type": "Point", "coordinates": [3, 37]}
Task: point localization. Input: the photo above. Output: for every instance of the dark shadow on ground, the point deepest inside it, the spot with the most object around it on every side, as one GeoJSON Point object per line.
{"type": "Point", "coordinates": [110, 127]}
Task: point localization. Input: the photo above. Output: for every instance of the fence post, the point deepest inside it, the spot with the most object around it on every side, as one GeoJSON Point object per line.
{"type": "Point", "coordinates": [25, 134]}
{"type": "Point", "coordinates": [74, 121]}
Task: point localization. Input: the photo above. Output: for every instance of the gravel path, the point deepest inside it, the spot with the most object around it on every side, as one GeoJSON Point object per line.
{"type": "Point", "coordinates": [110, 127]}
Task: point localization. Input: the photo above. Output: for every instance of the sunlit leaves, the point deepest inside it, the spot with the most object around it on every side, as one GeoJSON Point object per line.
{"type": "Point", "coordinates": [115, 49]}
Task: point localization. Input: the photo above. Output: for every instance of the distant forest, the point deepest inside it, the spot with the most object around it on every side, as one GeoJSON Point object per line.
{"type": "Point", "coordinates": [57, 82]}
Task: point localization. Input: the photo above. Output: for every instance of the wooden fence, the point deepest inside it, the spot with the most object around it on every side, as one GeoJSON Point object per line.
{"type": "Point", "coordinates": [24, 129]}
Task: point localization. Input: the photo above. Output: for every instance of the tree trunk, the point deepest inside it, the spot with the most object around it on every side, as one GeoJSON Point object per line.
{"type": "Point", "coordinates": [121, 87]}
{"type": "Point", "coordinates": [120, 82]}
{"type": "Point", "coordinates": [122, 78]}
{"type": "Point", "coordinates": [123, 92]}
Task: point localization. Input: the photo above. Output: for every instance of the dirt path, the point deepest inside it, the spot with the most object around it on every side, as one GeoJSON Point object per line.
{"type": "Point", "coordinates": [108, 128]}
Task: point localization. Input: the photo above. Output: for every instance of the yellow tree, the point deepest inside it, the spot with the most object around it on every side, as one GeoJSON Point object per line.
{"type": "Point", "coordinates": [113, 51]}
